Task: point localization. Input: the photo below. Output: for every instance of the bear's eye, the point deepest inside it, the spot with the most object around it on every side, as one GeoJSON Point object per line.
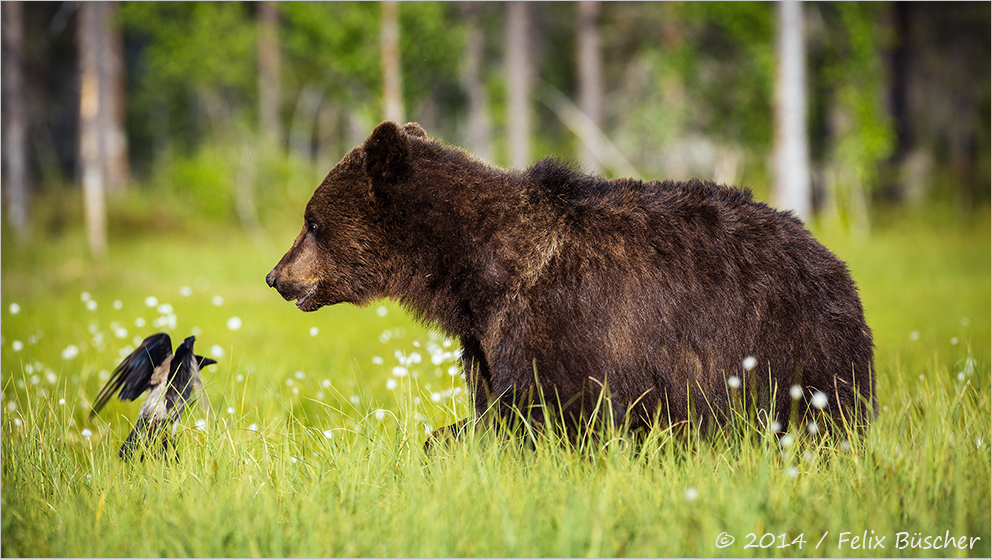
{"type": "Point", "coordinates": [312, 226]}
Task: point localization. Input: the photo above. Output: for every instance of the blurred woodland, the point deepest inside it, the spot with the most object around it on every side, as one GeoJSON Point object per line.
{"type": "Point", "coordinates": [835, 110]}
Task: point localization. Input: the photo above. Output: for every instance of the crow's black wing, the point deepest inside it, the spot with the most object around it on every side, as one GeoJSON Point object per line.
{"type": "Point", "coordinates": [132, 376]}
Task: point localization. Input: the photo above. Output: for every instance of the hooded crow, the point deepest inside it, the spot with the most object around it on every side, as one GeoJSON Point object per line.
{"type": "Point", "coordinates": [173, 379]}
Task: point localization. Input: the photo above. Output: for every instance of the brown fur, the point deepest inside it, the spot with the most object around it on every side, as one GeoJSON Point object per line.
{"type": "Point", "coordinates": [657, 290]}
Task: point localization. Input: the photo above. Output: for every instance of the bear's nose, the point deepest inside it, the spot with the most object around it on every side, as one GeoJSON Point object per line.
{"type": "Point", "coordinates": [270, 279]}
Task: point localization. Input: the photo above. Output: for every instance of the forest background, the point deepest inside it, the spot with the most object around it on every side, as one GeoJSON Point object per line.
{"type": "Point", "coordinates": [157, 158]}
{"type": "Point", "coordinates": [238, 109]}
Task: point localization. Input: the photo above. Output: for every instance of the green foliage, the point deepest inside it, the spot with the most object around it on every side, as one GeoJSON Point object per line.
{"type": "Point", "coordinates": [730, 65]}
{"type": "Point", "coordinates": [313, 446]}
{"type": "Point", "coordinates": [853, 134]}
{"type": "Point", "coordinates": [185, 70]}
{"type": "Point", "coordinates": [432, 42]}
{"type": "Point", "coordinates": [183, 49]}
{"type": "Point", "coordinates": [335, 45]}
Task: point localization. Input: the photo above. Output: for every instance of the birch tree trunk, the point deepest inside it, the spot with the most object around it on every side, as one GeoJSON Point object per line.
{"type": "Point", "coordinates": [479, 133]}
{"type": "Point", "coordinates": [91, 25]}
{"type": "Point", "coordinates": [519, 72]}
{"type": "Point", "coordinates": [792, 168]}
{"type": "Point", "coordinates": [590, 83]}
{"type": "Point", "coordinates": [113, 136]}
{"type": "Point", "coordinates": [268, 74]}
{"type": "Point", "coordinates": [392, 78]}
{"type": "Point", "coordinates": [15, 157]}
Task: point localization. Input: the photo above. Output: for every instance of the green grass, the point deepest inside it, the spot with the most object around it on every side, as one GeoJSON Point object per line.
{"type": "Point", "coordinates": [310, 449]}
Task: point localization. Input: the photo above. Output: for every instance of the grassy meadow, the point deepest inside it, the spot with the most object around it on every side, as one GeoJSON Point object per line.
{"type": "Point", "coordinates": [312, 445]}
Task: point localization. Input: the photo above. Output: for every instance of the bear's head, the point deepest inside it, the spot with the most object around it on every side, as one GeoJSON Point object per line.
{"type": "Point", "coordinates": [341, 254]}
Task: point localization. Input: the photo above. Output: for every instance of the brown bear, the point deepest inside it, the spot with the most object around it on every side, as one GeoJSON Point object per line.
{"type": "Point", "coordinates": [652, 293]}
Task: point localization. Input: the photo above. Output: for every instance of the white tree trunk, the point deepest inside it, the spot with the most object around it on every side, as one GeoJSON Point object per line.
{"type": "Point", "coordinates": [519, 71]}
{"type": "Point", "coordinates": [113, 137]}
{"type": "Point", "coordinates": [479, 132]}
{"type": "Point", "coordinates": [590, 83]}
{"type": "Point", "coordinates": [268, 74]}
{"type": "Point", "coordinates": [792, 168]}
{"type": "Point", "coordinates": [91, 25]}
{"type": "Point", "coordinates": [15, 157]}
{"type": "Point", "coordinates": [392, 78]}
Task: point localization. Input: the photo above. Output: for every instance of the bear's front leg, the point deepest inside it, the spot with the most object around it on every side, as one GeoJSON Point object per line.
{"type": "Point", "coordinates": [477, 378]}
{"type": "Point", "coordinates": [477, 374]}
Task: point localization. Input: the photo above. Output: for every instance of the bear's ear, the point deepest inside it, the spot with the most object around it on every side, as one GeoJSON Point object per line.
{"type": "Point", "coordinates": [386, 152]}
{"type": "Point", "coordinates": [414, 129]}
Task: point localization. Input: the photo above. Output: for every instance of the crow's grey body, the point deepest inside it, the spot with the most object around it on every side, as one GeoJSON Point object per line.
{"type": "Point", "coordinates": [173, 379]}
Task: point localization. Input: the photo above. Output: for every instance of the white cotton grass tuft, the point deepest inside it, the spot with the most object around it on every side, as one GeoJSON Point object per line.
{"type": "Point", "coordinates": [314, 331]}
{"type": "Point", "coordinates": [234, 323]}
{"type": "Point", "coordinates": [749, 363]}
{"type": "Point", "coordinates": [151, 301]}
{"type": "Point", "coordinates": [819, 400]}
{"type": "Point", "coordinates": [217, 300]}
{"type": "Point", "coordinates": [796, 392]}
{"type": "Point", "coordinates": [14, 308]}
{"type": "Point", "coordinates": [734, 383]}
{"type": "Point", "coordinates": [216, 351]}
{"type": "Point", "coordinates": [691, 494]}
{"type": "Point", "coordinates": [70, 352]}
